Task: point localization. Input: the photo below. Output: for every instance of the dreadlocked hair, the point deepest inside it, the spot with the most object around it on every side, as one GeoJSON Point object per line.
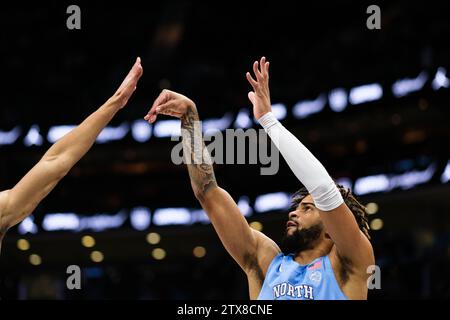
{"type": "Point", "coordinates": [358, 210]}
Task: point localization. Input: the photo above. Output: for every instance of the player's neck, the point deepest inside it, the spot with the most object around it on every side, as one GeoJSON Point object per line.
{"type": "Point", "coordinates": [307, 256]}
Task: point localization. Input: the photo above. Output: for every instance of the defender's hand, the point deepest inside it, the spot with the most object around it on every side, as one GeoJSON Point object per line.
{"type": "Point", "coordinates": [128, 85]}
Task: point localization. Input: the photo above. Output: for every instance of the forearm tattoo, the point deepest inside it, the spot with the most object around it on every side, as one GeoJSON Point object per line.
{"type": "Point", "coordinates": [196, 154]}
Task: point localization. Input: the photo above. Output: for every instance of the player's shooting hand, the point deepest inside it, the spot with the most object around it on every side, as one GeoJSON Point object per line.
{"type": "Point", "coordinates": [169, 103]}
{"type": "Point", "coordinates": [260, 96]}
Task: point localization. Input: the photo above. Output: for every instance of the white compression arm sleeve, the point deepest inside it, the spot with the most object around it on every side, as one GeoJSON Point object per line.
{"type": "Point", "coordinates": [303, 164]}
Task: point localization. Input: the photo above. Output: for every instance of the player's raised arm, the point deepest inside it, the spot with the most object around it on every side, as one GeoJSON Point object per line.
{"type": "Point", "coordinates": [242, 242]}
{"type": "Point", "coordinates": [339, 221]}
{"type": "Point", "coordinates": [22, 199]}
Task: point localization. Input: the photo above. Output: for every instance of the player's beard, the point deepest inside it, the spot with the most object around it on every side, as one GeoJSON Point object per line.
{"type": "Point", "coordinates": [301, 239]}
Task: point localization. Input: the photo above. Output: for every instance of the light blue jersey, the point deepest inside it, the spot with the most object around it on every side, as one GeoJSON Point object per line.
{"type": "Point", "coordinates": [286, 279]}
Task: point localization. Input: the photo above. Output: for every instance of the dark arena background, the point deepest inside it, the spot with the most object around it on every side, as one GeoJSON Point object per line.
{"type": "Point", "coordinates": [372, 104]}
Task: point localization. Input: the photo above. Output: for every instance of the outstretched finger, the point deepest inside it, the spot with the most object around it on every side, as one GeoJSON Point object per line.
{"type": "Point", "coordinates": [256, 71]}
{"type": "Point", "coordinates": [150, 118]}
{"type": "Point", "coordinates": [162, 98]}
{"type": "Point", "coordinates": [133, 75]}
{"type": "Point", "coordinates": [252, 81]}
{"type": "Point", "coordinates": [262, 63]}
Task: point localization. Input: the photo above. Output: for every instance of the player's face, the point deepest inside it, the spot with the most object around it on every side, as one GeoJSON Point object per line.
{"type": "Point", "coordinates": [303, 228]}
{"type": "Point", "coordinates": [303, 217]}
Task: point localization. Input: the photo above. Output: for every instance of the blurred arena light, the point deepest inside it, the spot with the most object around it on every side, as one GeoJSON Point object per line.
{"type": "Point", "coordinates": [384, 182]}
{"type": "Point", "coordinates": [412, 178]}
{"type": "Point", "coordinates": [23, 244]}
{"type": "Point", "coordinates": [35, 259]}
{"type": "Point", "coordinates": [60, 221]}
{"type": "Point", "coordinates": [243, 119]}
{"type": "Point", "coordinates": [369, 184]}
{"type": "Point", "coordinates": [33, 137]}
{"type": "Point", "coordinates": [211, 126]}
{"type": "Point", "coordinates": [272, 201]}
{"type": "Point", "coordinates": [376, 224]}
{"type": "Point", "coordinates": [140, 218]}
{"type": "Point", "coordinates": [110, 133]}
{"type": "Point", "coordinates": [141, 130]}
{"type": "Point", "coordinates": [279, 110]}
{"type": "Point", "coordinates": [258, 226]}
{"type": "Point", "coordinates": [405, 86]}
{"type": "Point", "coordinates": [9, 137]}
{"type": "Point", "coordinates": [57, 132]}
{"type": "Point", "coordinates": [305, 108]}
{"type": "Point", "coordinates": [102, 221]}
{"type": "Point", "coordinates": [244, 206]}
{"type": "Point", "coordinates": [371, 208]}
{"type": "Point", "coordinates": [440, 79]}
{"type": "Point", "coordinates": [167, 128]}
{"type": "Point", "coordinates": [74, 222]}
{"type": "Point", "coordinates": [97, 256]}
{"type": "Point", "coordinates": [338, 99]}
{"type": "Point", "coordinates": [199, 252]}
{"type": "Point", "coordinates": [159, 253]}
{"type": "Point", "coordinates": [366, 93]}
{"type": "Point", "coordinates": [171, 216]}
{"type": "Point", "coordinates": [445, 177]}
{"type": "Point", "coordinates": [28, 226]}
{"type": "Point", "coordinates": [88, 241]}
{"type": "Point", "coordinates": [153, 238]}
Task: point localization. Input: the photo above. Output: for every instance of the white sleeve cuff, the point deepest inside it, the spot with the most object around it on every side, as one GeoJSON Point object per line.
{"type": "Point", "coordinates": [268, 120]}
{"type": "Point", "coordinates": [327, 196]}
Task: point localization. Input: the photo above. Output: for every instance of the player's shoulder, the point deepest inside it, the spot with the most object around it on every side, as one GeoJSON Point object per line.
{"type": "Point", "coordinates": [266, 243]}
{"type": "Point", "coordinates": [267, 250]}
{"type": "Point", "coordinates": [345, 269]}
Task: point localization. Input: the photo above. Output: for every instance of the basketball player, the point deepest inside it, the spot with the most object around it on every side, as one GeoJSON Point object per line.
{"type": "Point", "coordinates": [326, 249]}
{"type": "Point", "coordinates": [20, 201]}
